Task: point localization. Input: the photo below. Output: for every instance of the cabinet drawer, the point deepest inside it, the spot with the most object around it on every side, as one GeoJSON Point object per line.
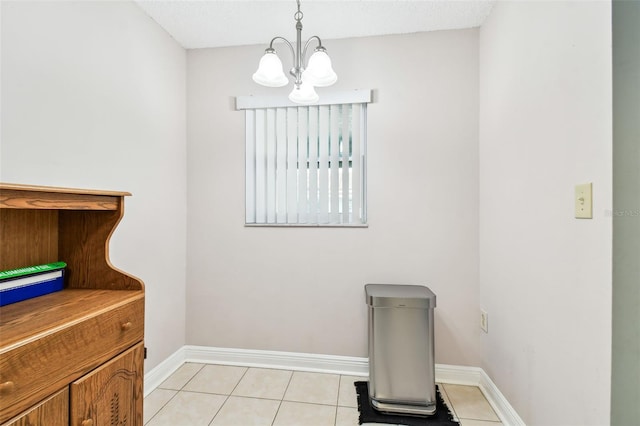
{"type": "Point", "coordinates": [54, 411]}
{"type": "Point", "coordinates": [35, 369]}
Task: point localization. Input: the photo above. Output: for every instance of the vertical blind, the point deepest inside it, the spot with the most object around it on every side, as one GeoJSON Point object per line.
{"type": "Point", "coordinates": [305, 165]}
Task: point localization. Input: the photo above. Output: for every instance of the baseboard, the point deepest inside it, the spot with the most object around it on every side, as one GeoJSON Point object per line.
{"type": "Point", "coordinates": [352, 366]}
{"type": "Point", "coordinates": [279, 360]}
{"type": "Point", "coordinates": [458, 374]}
{"type": "Point", "coordinates": [162, 371]}
{"type": "Point", "coordinates": [500, 405]}
{"type": "Point", "coordinates": [475, 376]}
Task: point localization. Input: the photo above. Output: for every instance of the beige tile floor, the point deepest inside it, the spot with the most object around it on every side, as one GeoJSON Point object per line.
{"type": "Point", "coordinates": [206, 394]}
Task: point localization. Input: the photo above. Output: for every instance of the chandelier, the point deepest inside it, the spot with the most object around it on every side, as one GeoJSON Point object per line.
{"type": "Point", "coordinates": [317, 72]}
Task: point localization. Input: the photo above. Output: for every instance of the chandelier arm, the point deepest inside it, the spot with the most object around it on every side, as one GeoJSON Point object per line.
{"type": "Point", "coordinates": [304, 52]}
{"type": "Point", "coordinates": [293, 55]}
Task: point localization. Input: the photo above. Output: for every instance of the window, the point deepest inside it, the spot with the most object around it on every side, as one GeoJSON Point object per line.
{"type": "Point", "coordinates": [305, 165]}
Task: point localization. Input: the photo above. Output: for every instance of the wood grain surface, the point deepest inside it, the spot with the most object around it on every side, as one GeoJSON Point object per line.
{"type": "Point", "coordinates": [51, 341]}
{"type": "Point", "coordinates": [53, 411]}
{"type": "Point", "coordinates": [39, 366]}
{"type": "Point", "coordinates": [106, 396]}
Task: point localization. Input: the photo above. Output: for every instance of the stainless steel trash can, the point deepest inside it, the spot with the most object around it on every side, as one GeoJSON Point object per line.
{"type": "Point", "coordinates": [401, 349]}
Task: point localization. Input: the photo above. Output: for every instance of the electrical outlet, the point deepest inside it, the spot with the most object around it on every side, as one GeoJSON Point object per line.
{"type": "Point", "coordinates": [484, 321]}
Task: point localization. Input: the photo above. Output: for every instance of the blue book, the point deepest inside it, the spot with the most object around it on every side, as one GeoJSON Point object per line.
{"type": "Point", "coordinates": [21, 287]}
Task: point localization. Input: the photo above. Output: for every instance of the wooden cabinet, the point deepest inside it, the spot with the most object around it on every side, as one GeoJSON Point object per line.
{"type": "Point", "coordinates": [54, 411]}
{"type": "Point", "coordinates": [79, 348]}
{"type": "Point", "coordinates": [103, 396]}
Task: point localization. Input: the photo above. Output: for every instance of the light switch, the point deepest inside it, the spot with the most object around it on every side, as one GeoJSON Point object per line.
{"type": "Point", "coordinates": [583, 202]}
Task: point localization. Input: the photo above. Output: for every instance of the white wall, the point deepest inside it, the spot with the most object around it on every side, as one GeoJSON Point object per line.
{"type": "Point", "coordinates": [93, 96]}
{"type": "Point", "coordinates": [545, 277]}
{"type": "Point", "coordinates": [302, 290]}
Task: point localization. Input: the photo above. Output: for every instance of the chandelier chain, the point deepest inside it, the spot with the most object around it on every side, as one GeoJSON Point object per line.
{"type": "Point", "coordinates": [298, 15]}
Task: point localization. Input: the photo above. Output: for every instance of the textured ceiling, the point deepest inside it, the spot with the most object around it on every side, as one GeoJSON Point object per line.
{"type": "Point", "coordinates": [215, 23]}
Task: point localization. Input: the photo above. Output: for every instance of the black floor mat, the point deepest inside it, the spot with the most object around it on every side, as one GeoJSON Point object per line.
{"type": "Point", "coordinates": [369, 415]}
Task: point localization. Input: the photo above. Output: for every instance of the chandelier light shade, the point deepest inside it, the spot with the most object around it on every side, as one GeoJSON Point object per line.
{"type": "Point", "coordinates": [270, 72]}
{"type": "Point", "coordinates": [317, 72]}
{"type": "Point", "coordinates": [305, 93]}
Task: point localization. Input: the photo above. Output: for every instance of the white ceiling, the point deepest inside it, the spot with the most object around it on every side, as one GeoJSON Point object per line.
{"type": "Point", "coordinates": [217, 23]}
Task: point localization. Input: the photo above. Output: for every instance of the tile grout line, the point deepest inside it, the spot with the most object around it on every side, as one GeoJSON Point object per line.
{"type": "Point", "coordinates": [283, 394]}
{"type": "Point", "coordinates": [460, 418]}
{"type": "Point", "coordinates": [444, 391]}
{"type": "Point", "coordinates": [163, 405]}
{"type": "Point", "coordinates": [176, 394]}
{"type": "Point", "coordinates": [335, 416]}
{"type": "Point", "coordinates": [191, 378]}
{"type": "Point", "coordinates": [246, 369]}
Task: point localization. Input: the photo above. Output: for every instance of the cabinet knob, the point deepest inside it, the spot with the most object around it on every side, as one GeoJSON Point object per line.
{"type": "Point", "coordinates": [87, 422]}
{"type": "Point", "coordinates": [6, 387]}
{"type": "Point", "coordinates": [125, 326]}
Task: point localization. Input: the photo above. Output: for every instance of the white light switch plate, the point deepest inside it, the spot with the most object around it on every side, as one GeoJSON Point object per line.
{"type": "Point", "coordinates": [484, 320]}
{"type": "Point", "coordinates": [583, 201]}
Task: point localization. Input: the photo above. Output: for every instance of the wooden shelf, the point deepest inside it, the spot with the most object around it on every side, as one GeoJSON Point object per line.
{"type": "Point", "coordinates": [60, 190]}
{"type": "Point", "coordinates": [14, 196]}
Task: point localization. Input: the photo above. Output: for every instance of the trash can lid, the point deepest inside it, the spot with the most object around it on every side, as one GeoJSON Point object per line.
{"type": "Point", "coordinates": [399, 296]}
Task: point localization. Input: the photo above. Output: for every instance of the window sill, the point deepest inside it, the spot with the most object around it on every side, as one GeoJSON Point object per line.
{"type": "Point", "coordinates": [305, 225]}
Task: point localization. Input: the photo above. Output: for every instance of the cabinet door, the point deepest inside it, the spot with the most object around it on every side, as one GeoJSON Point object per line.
{"type": "Point", "coordinates": [111, 395]}
{"type": "Point", "coordinates": [53, 411]}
